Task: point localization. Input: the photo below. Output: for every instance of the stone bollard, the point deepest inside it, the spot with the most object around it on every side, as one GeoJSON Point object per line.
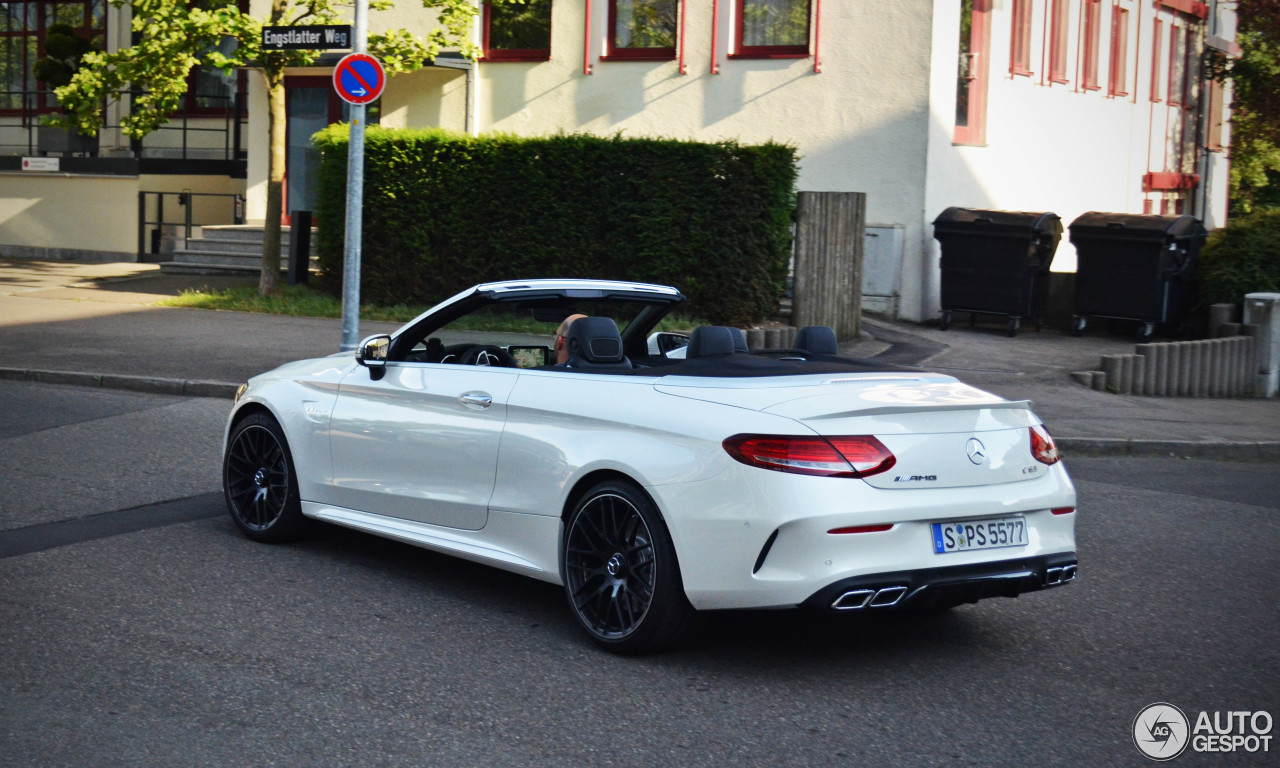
{"type": "Point", "coordinates": [755, 339]}
{"type": "Point", "coordinates": [772, 338]}
{"type": "Point", "coordinates": [1112, 368]}
{"type": "Point", "coordinates": [1147, 385]}
{"type": "Point", "coordinates": [1174, 366]}
{"type": "Point", "coordinates": [1139, 365]}
{"type": "Point", "coordinates": [789, 336]}
{"type": "Point", "coordinates": [1099, 380]}
{"type": "Point", "coordinates": [1186, 371]}
{"type": "Point", "coordinates": [1227, 329]}
{"type": "Point", "coordinates": [1197, 379]}
{"type": "Point", "coordinates": [1160, 382]}
{"type": "Point", "coordinates": [1220, 314]}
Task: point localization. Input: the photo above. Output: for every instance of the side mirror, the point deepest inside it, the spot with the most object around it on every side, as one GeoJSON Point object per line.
{"type": "Point", "coordinates": [663, 342]}
{"type": "Point", "coordinates": [372, 352]}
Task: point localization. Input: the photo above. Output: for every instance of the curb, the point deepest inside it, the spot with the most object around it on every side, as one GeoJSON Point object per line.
{"type": "Point", "coordinates": [149, 384]}
{"type": "Point", "coordinates": [1120, 446]}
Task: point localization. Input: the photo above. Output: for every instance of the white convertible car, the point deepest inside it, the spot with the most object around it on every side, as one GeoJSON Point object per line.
{"type": "Point", "coordinates": [654, 475]}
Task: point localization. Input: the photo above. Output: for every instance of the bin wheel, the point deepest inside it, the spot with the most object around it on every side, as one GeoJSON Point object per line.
{"type": "Point", "coordinates": [945, 323]}
{"type": "Point", "coordinates": [1078, 325]}
{"type": "Point", "coordinates": [1146, 332]}
{"type": "Point", "coordinates": [1014, 324]}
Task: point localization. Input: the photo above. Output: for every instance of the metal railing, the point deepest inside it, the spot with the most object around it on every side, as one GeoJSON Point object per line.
{"type": "Point", "coordinates": [186, 201]}
{"type": "Point", "coordinates": [209, 133]}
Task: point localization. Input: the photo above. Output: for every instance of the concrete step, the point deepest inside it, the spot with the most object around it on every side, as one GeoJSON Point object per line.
{"type": "Point", "coordinates": [227, 245]}
{"type": "Point", "coordinates": [246, 231]}
{"type": "Point", "coordinates": [211, 268]}
{"type": "Point", "coordinates": [228, 258]}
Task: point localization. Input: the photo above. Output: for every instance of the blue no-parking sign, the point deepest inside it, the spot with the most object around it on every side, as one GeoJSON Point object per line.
{"type": "Point", "coordinates": [359, 78]}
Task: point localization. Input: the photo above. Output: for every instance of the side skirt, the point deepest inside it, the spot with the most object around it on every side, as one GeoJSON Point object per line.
{"type": "Point", "coordinates": [496, 544]}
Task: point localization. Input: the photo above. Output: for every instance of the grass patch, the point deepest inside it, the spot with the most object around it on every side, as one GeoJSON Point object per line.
{"type": "Point", "coordinates": [293, 300]}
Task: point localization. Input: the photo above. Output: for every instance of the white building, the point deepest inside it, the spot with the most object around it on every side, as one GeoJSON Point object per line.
{"type": "Point", "coordinates": [1036, 105]}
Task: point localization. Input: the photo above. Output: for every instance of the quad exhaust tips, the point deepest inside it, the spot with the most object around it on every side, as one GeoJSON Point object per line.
{"type": "Point", "coordinates": [857, 599]}
{"type": "Point", "coordinates": [1059, 575]}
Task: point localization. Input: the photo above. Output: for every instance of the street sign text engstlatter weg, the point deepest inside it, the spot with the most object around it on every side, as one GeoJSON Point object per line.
{"type": "Point", "coordinates": [318, 37]}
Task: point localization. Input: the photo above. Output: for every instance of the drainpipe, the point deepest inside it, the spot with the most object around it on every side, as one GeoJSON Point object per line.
{"type": "Point", "coordinates": [715, 34]}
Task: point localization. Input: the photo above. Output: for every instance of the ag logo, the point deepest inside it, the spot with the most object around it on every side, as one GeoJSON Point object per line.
{"type": "Point", "coordinates": [1160, 731]}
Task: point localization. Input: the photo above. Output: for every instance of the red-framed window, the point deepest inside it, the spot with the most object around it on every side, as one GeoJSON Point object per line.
{"type": "Point", "coordinates": [1092, 31]}
{"type": "Point", "coordinates": [1020, 38]}
{"type": "Point", "coordinates": [642, 29]}
{"type": "Point", "coordinates": [1119, 73]}
{"type": "Point", "coordinates": [1177, 65]}
{"type": "Point", "coordinates": [23, 27]}
{"type": "Point", "coordinates": [1059, 28]}
{"type": "Point", "coordinates": [772, 28]}
{"type": "Point", "coordinates": [517, 32]}
{"type": "Point", "coordinates": [1157, 60]}
{"type": "Point", "coordinates": [972, 72]}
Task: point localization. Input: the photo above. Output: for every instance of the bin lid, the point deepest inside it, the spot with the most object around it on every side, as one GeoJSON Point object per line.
{"type": "Point", "coordinates": [1135, 226]}
{"type": "Point", "coordinates": [978, 221]}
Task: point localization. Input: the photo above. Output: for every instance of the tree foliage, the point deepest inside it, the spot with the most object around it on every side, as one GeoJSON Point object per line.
{"type": "Point", "coordinates": [1255, 121]}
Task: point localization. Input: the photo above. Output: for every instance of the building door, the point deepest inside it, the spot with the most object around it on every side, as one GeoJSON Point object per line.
{"type": "Point", "coordinates": [311, 104]}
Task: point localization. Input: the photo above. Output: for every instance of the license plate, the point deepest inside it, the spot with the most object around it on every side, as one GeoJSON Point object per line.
{"type": "Point", "coordinates": [967, 535]}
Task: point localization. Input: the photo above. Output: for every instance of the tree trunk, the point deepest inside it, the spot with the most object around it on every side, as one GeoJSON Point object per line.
{"type": "Point", "coordinates": [270, 280]}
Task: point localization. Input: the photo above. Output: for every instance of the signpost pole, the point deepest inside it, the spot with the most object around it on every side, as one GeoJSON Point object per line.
{"type": "Point", "coordinates": [355, 198]}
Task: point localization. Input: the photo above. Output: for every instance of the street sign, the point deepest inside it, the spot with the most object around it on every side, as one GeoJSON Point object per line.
{"type": "Point", "coordinates": [359, 78]}
{"type": "Point", "coordinates": [317, 37]}
{"type": "Point", "coordinates": [40, 164]}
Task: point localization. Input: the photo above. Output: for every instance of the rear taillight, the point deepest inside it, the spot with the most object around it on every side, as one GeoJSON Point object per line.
{"type": "Point", "coordinates": [1042, 447]}
{"type": "Point", "coordinates": [855, 456]}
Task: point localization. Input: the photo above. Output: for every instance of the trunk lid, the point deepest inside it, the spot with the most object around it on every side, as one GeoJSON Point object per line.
{"type": "Point", "coordinates": [943, 433]}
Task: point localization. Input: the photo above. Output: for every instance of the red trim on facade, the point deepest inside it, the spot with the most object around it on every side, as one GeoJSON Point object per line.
{"type": "Point", "coordinates": [1092, 33]}
{"type": "Point", "coordinates": [1020, 38]}
{"type": "Point", "coordinates": [586, 42]}
{"type": "Point", "coordinates": [715, 36]}
{"type": "Point", "coordinates": [1169, 181]}
{"type": "Point", "coordinates": [684, 7]}
{"type": "Point", "coordinates": [1189, 7]}
{"type": "Point", "coordinates": [817, 35]}
{"type": "Point", "coordinates": [1119, 51]}
{"type": "Point", "coordinates": [975, 133]}
{"type": "Point", "coordinates": [1058, 34]}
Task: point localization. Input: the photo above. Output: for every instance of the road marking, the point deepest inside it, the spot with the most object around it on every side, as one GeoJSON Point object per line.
{"type": "Point", "coordinates": [37, 538]}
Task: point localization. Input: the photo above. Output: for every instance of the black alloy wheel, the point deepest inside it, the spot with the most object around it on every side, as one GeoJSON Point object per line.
{"type": "Point", "coordinates": [620, 572]}
{"type": "Point", "coordinates": [259, 483]}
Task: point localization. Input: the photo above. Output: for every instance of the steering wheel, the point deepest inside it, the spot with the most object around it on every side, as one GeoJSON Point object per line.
{"type": "Point", "coordinates": [488, 355]}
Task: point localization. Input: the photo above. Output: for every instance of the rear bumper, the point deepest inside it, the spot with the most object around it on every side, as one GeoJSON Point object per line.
{"type": "Point", "coordinates": [928, 588]}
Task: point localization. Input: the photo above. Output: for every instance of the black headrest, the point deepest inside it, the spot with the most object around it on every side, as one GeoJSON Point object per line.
{"type": "Point", "coordinates": [709, 341]}
{"type": "Point", "coordinates": [817, 340]}
{"type": "Point", "coordinates": [594, 342]}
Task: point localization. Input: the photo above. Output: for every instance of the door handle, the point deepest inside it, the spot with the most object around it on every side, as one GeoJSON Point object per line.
{"type": "Point", "coordinates": [477, 400]}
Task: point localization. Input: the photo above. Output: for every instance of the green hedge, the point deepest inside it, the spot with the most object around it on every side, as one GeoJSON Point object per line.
{"type": "Point", "coordinates": [445, 211]}
{"type": "Point", "coordinates": [1242, 257]}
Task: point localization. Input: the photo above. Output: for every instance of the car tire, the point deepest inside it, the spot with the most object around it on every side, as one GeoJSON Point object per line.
{"type": "Point", "coordinates": [621, 576]}
{"type": "Point", "coordinates": [259, 481]}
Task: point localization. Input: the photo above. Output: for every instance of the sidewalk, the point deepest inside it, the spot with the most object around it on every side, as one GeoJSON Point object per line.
{"type": "Point", "coordinates": [95, 325]}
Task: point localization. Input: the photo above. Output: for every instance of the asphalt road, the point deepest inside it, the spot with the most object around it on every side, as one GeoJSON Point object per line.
{"type": "Point", "coordinates": [138, 628]}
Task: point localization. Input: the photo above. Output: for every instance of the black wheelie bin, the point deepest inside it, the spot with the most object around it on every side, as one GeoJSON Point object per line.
{"type": "Point", "coordinates": [996, 263]}
{"type": "Point", "coordinates": [1134, 267]}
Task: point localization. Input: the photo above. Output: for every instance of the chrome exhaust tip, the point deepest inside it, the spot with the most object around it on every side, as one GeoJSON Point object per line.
{"type": "Point", "coordinates": [888, 597]}
{"type": "Point", "coordinates": [853, 601]}
{"type": "Point", "coordinates": [1068, 573]}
